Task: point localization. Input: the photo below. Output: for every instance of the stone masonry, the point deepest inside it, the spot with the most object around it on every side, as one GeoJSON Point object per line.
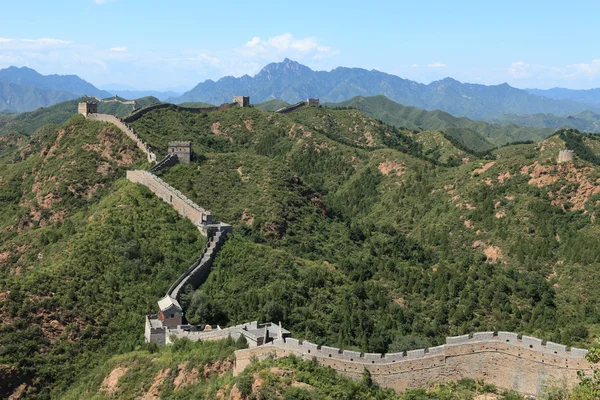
{"type": "Point", "coordinates": [565, 156]}
{"type": "Point", "coordinates": [505, 360]}
{"type": "Point", "coordinates": [241, 101]}
{"type": "Point", "coordinates": [183, 151]}
{"type": "Point", "coordinates": [86, 107]}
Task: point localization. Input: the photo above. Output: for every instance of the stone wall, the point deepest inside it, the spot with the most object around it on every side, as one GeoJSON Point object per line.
{"type": "Point", "coordinates": [184, 206]}
{"type": "Point", "coordinates": [523, 365]}
{"type": "Point", "coordinates": [565, 156]}
{"type": "Point", "coordinates": [143, 111]}
{"type": "Point", "coordinates": [291, 108]}
{"type": "Point", "coordinates": [127, 130]}
{"type": "Point", "coordinates": [168, 161]}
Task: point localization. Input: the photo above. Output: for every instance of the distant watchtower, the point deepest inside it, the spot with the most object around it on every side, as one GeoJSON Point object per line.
{"type": "Point", "coordinates": [312, 102]}
{"type": "Point", "coordinates": [183, 151]}
{"type": "Point", "coordinates": [565, 156]}
{"type": "Point", "coordinates": [241, 101]}
{"type": "Point", "coordinates": [86, 107]}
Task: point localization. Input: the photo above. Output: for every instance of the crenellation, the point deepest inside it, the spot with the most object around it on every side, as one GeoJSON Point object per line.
{"type": "Point", "coordinates": [529, 342]}
{"type": "Point", "coordinates": [483, 336]}
{"type": "Point", "coordinates": [578, 352]}
{"type": "Point", "coordinates": [508, 337]}
{"type": "Point", "coordinates": [457, 339]}
{"type": "Point", "coordinates": [415, 353]}
{"type": "Point", "coordinates": [393, 357]}
{"type": "Point", "coordinates": [373, 357]}
{"type": "Point", "coordinates": [351, 355]}
{"type": "Point", "coordinates": [436, 350]}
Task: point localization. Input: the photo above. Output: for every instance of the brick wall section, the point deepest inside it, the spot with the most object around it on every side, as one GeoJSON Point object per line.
{"type": "Point", "coordinates": [184, 206]}
{"type": "Point", "coordinates": [127, 131]}
{"type": "Point", "coordinates": [504, 360]}
{"type": "Point", "coordinates": [291, 108]}
{"type": "Point", "coordinates": [168, 161]}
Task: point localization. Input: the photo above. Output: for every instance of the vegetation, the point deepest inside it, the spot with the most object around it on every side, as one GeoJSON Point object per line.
{"type": "Point", "coordinates": [477, 136]}
{"type": "Point", "coordinates": [351, 232]}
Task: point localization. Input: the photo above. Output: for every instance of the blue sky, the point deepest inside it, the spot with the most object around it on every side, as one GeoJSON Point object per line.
{"type": "Point", "coordinates": [159, 45]}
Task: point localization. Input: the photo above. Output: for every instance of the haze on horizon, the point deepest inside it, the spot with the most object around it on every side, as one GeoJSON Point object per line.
{"type": "Point", "coordinates": [145, 45]}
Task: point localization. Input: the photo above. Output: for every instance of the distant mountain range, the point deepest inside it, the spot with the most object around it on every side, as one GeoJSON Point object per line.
{"type": "Point", "coordinates": [590, 96]}
{"type": "Point", "coordinates": [293, 82]}
{"type": "Point", "coordinates": [585, 121]}
{"type": "Point", "coordinates": [24, 89]}
{"type": "Point", "coordinates": [475, 135]}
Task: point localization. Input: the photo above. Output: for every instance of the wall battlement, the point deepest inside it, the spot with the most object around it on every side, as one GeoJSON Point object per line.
{"type": "Point", "coordinates": [521, 364]}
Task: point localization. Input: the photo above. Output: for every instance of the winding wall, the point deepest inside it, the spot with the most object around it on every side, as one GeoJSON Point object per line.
{"type": "Point", "coordinates": [506, 360]}
{"type": "Point", "coordinates": [523, 365]}
{"type": "Point", "coordinates": [127, 130]}
{"type": "Point", "coordinates": [143, 111]}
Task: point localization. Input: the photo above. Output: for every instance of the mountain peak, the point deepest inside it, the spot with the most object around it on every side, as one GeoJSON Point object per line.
{"type": "Point", "coordinates": [287, 67]}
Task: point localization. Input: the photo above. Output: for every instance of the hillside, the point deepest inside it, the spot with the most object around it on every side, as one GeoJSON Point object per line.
{"type": "Point", "coordinates": [351, 232]}
{"type": "Point", "coordinates": [586, 121]}
{"type": "Point", "coordinates": [476, 135]}
{"type": "Point", "coordinates": [293, 82]}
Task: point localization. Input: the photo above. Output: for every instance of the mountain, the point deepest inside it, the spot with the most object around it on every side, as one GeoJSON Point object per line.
{"type": "Point", "coordinates": [15, 98]}
{"type": "Point", "coordinates": [475, 135]}
{"type": "Point", "coordinates": [293, 82]}
{"type": "Point", "coordinates": [590, 96]}
{"type": "Point", "coordinates": [67, 83]}
{"type": "Point", "coordinates": [134, 94]}
{"type": "Point", "coordinates": [586, 121]}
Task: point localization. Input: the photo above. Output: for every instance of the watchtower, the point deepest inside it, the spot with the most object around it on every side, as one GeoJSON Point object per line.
{"type": "Point", "coordinates": [87, 107]}
{"type": "Point", "coordinates": [565, 156]}
{"type": "Point", "coordinates": [241, 101]}
{"type": "Point", "coordinates": [183, 151]}
{"type": "Point", "coordinates": [312, 102]}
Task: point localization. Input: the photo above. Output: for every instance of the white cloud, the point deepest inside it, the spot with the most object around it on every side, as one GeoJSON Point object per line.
{"type": "Point", "coordinates": [286, 45]}
{"type": "Point", "coordinates": [32, 44]}
{"type": "Point", "coordinates": [520, 69]}
{"type": "Point", "coordinates": [205, 58]}
{"type": "Point", "coordinates": [101, 2]}
{"type": "Point", "coordinates": [437, 65]}
{"type": "Point", "coordinates": [584, 70]}
{"type": "Point", "coordinates": [118, 49]}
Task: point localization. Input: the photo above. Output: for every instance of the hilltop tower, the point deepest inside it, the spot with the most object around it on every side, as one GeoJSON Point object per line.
{"type": "Point", "coordinates": [565, 156]}
{"type": "Point", "coordinates": [87, 107]}
{"type": "Point", "coordinates": [241, 101]}
{"type": "Point", "coordinates": [312, 102]}
{"type": "Point", "coordinates": [183, 151]}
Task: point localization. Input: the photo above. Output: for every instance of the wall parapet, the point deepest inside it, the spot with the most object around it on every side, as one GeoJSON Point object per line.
{"type": "Point", "coordinates": [504, 359]}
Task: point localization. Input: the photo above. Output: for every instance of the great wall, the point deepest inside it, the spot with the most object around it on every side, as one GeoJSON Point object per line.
{"type": "Point", "coordinates": [507, 360]}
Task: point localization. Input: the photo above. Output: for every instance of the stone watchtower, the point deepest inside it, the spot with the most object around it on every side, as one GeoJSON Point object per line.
{"type": "Point", "coordinates": [312, 102]}
{"type": "Point", "coordinates": [183, 151]}
{"type": "Point", "coordinates": [86, 107]}
{"type": "Point", "coordinates": [241, 101]}
{"type": "Point", "coordinates": [565, 156]}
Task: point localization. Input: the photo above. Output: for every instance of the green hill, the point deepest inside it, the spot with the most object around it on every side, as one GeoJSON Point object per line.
{"type": "Point", "coordinates": [351, 232]}
{"type": "Point", "coordinates": [476, 135]}
{"type": "Point", "coordinates": [196, 104]}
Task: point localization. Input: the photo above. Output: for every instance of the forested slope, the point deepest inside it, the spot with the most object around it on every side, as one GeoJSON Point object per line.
{"type": "Point", "coordinates": [350, 232]}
